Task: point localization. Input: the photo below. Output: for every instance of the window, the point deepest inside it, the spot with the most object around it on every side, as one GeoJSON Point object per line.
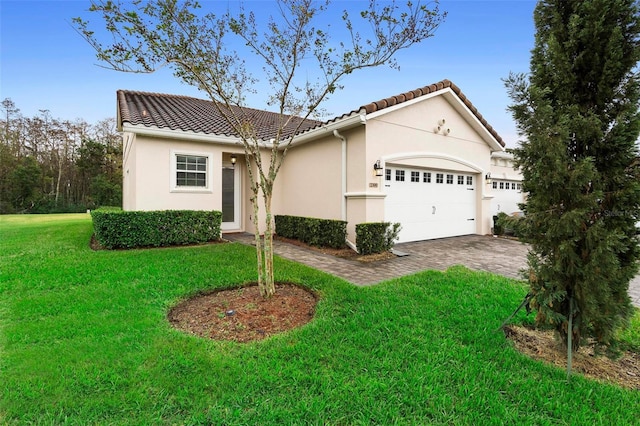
{"type": "Point", "coordinates": [519, 186]}
{"type": "Point", "coordinates": [399, 175]}
{"type": "Point", "coordinates": [387, 174]}
{"type": "Point", "coordinates": [513, 185]}
{"type": "Point", "coordinates": [426, 177]}
{"type": "Point", "coordinates": [501, 185]}
{"type": "Point", "coordinates": [415, 176]}
{"type": "Point", "coordinates": [470, 180]}
{"type": "Point", "coordinates": [439, 178]}
{"type": "Point", "coordinates": [450, 179]}
{"type": "Point", "coordinates": [495, 185]}
{"type": "Point", "coordinates": [191, 171]}
{"type": "Point", "coordinates": [460, 180]}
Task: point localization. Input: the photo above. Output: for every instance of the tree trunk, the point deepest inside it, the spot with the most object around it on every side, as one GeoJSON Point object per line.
{"type": "Point", "coordinates": [258, 241]}
{"type": "Point", "coordinates": [269, 285]}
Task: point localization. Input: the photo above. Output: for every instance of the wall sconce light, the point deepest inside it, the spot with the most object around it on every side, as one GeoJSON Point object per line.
{"type": "Point", "coordinates": [378, 168]}
{"type": "Point", "coordinates": [234, 158]}
{"type": "Point", "coordinates": [487, 178]}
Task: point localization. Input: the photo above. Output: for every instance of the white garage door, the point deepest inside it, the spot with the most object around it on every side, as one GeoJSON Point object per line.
{"type": "Point", "coordinates": [430, 203]}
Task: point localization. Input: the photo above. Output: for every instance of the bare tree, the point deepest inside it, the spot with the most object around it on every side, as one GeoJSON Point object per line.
{"type": "Point", "coordinates": [293, 51]}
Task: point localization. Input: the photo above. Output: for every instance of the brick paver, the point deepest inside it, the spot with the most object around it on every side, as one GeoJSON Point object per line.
{"type": "Point", "coordinates": [485, 253]}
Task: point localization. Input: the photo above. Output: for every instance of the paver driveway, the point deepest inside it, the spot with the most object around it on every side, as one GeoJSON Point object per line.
{"type": "Point", "coordinates": [485, 253]}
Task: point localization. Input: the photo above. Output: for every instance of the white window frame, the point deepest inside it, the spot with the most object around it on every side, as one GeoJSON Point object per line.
{"type": "Point", "coordinates": [191, 189]}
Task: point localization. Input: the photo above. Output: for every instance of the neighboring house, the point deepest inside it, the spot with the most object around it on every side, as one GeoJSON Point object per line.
{"type": "Point", "coordinates": [434, 152]}
{"type": "Point", "coordinates": [506, 185]}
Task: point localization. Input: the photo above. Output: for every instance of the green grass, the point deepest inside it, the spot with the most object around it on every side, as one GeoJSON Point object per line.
{"type": "Point", "coordinates": [84, 340]}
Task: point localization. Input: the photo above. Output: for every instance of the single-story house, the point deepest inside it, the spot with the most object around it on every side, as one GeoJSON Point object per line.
{"type": "Point", "coordinates": [425, 158]}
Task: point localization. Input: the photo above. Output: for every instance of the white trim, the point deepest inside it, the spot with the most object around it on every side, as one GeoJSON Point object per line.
{"type": "Point", "coordinates": [327, 129]}
{"type": "Point", "coordinates": [411, 155]}
{"type": "Point", "coordinates": [439, 156]}
{"type": "Point", "coordinates": [182, 134]}
{"type": "Point", "coordinates": [324, 130]}
{"type": "Point", "coordinates": [174, 188]}
{"type": "Point", "coordinates": [237, 205]}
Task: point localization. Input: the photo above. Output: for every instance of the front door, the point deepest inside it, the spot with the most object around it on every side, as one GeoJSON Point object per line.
{"type": "Point", "coordinates": [230, 198]}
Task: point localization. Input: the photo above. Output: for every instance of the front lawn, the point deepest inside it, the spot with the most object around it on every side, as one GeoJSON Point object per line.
{"type": "Point", "coordinates": [84, 340]}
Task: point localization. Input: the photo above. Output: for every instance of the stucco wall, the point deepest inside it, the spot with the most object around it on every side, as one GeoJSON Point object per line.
{"type": "Point", "coordinates": [309, 183]}
{"type": "Point", "coordinates": [149, 175]}
{"type": "Point", "coordinates": [410, 137]}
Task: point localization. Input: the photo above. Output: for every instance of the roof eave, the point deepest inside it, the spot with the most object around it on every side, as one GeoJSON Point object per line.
{"type": "Point", "coordinates": [180, 134]}
{"type": "Point", "coordinates": [354, 120]}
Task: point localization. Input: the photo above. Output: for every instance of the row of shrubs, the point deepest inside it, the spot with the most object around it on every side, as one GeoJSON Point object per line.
{"type": "Point", "coordinates": [371, 238]}
{"type": "Point", "coordinates": [115, 229]}
{"type": "Point", "coordinates": [312, 231]}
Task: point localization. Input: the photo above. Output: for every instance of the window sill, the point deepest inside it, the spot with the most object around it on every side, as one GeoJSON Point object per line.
{"type": "Point", "coordinates": [193, 190]}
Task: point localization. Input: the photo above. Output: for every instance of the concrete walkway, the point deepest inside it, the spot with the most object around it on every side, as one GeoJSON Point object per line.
{"type": "Point", "coordinates": [484, 253]}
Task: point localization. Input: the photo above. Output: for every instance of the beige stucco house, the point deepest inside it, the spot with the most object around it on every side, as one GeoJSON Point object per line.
{"type": "Point", "coordinates": [425, 158]}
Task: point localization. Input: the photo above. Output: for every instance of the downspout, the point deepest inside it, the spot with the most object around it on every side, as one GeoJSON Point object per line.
{"type": "Point", "coordinates": [344, 182]}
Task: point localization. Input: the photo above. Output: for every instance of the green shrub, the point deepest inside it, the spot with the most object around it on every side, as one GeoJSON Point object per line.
{"type": "Point", "coordinates": [376, 237]}
{"type": "Point", "coordinates": [312, 231]}
{"type": "Point", "coordinates": [508, 225]}
{"type": "Point", "coordinates": [129, 229]}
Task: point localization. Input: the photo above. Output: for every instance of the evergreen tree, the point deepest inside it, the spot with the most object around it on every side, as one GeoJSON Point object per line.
{"type": "Point", "coordinates": [578, 113]}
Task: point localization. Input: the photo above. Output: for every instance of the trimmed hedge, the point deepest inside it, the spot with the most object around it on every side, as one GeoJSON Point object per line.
{"type": "Point", "coordinates": [116, 229]}
{"type": "Point", "coordinates": [312, 231]}
{"type": "Point", "coordinates": [508, 225]}
{"type": "Point", "coordinates": [376, 237]}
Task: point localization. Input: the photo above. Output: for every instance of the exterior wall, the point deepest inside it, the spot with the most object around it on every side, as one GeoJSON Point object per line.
{"type": "Point", "coordinates": [149, 174]}
{"type": "Point", "coordinates": [310, 181]}
{"type": "Point", "coordinates": [410, 137]}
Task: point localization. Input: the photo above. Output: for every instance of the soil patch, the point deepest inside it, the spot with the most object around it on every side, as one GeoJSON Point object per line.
{"type": "Point", "coordinates": [242, 314]}
{"type": "Point", "coordinates": [542, 345]}
{"type": "Point", "coordinates": [343, 253]}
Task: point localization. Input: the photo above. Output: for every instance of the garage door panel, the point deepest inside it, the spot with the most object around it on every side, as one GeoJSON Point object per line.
{"type": "Point", "coordinates": [428, 210]}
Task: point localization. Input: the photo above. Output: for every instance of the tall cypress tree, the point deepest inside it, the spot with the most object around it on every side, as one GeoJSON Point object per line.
{"type": "Point", "coordinates": [578, 113]}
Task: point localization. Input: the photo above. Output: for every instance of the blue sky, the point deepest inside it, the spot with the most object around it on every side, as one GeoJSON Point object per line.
{"type": "Point", "coordinates": [45, 64]}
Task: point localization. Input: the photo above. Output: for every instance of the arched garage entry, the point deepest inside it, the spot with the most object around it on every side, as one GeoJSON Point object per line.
{"type": "Point", "coordinates": [431, 195]}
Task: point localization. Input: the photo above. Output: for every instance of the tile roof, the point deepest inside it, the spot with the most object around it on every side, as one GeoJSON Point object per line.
{"type": "Point", "coordinates": [188, 114]}
{"type": "Point", "coordinates": [201, 116]}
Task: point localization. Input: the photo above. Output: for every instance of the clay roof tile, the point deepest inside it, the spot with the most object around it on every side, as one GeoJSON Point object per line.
{"type": "Point", "coordinates": [202, 116]}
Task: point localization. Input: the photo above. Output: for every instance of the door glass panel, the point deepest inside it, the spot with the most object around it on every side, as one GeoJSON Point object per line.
{"type": "Point", "coordinates": [228, 195]}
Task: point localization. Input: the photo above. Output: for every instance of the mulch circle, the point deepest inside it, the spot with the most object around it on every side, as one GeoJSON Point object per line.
{"type": "Point", "coordinates": [241, 314]}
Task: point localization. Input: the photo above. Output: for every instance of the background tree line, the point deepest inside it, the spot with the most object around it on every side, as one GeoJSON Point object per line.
{"type": "Point", "coordinates": [49, 165]}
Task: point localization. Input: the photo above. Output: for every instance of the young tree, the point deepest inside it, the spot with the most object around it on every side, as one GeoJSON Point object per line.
{"type": "Point", "coordinates": [209, 52]}
{"type": "Point", "coordinates": [578, 113]}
